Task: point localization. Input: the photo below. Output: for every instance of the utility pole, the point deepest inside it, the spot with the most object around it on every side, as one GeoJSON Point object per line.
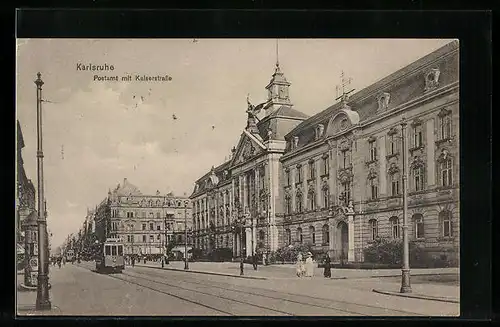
{"type": "Point", "coordinates": [405, 276]}
{"type": "Point", "coordinates": [186, 266]}
{"type": "Point", "coordinates": [42, 296]}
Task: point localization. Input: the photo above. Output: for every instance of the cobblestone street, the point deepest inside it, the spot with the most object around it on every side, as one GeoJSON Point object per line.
{"type": "Point", "coordinates": [147, 291]}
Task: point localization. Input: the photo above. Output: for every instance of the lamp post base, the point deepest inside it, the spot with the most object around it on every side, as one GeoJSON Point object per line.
{"type": "Point", "coordinates": [405, 281]}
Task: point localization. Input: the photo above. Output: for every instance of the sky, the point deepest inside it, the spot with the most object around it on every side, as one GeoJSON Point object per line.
{"type": "Point", "coordinates": [96, 133]}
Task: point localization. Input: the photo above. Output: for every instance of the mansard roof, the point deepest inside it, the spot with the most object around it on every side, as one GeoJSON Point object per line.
{"type": "Point", "coordinates": [218, 172]}
{"type": "Point", "coordinates": [359, 98]}
{"type": "Point", "coordinates": [126, 189]}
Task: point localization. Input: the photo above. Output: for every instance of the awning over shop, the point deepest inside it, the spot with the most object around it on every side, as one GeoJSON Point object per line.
{"type": "Point", "coordinates": [181, 249]}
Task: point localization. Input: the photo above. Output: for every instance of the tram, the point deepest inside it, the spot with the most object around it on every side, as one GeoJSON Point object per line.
{"type": "Point", "coordinates": [70, 256]}
{"type": "Point", "coordinates": [109, 256]}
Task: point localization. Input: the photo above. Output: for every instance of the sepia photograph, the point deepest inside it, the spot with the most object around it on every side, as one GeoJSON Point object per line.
{"type": "Point", "coordinates": [237, 177]}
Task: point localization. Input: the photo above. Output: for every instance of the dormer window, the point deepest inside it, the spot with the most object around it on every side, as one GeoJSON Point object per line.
{"type": "Point", "coordinates": [383, 101]}
{"type": "Point", "coordinates": [432, 79]}
{"type": "Point", "coordinates": [319, 131]}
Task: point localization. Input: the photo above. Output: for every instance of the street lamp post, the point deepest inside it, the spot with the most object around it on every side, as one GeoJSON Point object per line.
{"type": "Point", "coordinates": [186, 266]}
{"type": "Point", "coordinates": [42, 296]}
{"type": "Point", "coordinates": [405, 276]}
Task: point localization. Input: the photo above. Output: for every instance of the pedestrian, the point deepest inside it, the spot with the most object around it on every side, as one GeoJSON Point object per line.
{"type": "Point", "coordinates": [300, 265]}
{"type": "Point", "coordinates": [309, 265]}
{"type": "Point", "coordinates": [133, 261]}
{"type": "Point", "coordinates": [254, 261]}
{"type": "Point", "coordinates": [327, 268]}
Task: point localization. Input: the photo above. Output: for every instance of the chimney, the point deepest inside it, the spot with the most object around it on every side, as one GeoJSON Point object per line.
{"type": "Point", "coordinates": [124, 181]}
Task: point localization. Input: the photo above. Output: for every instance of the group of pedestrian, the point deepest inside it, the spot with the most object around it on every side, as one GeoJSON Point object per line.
{"type": "Point", "coordinates": [305, 265]}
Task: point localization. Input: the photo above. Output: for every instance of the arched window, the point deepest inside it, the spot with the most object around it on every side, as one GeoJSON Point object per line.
{"type": "Point", "coordinates": [288, 236]}
{"type": "Point", "coordinates": [312, 232]}
{"type": "Point", "coordinates": [418, 220]}
{"type": "Point", "coordinates": [326, 234]}
{"type": "Point", "coordinates": [299, 235]}
{"type": "Point", "coordinates": [445, 222]}
{"type": "Point", "coordinates": [373, 229]}
{"type": "Point", "coordinates": [394, 222]}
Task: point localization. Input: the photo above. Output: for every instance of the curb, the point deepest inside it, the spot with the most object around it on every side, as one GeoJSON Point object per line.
{"type": "Point", "coordinates": [204, 272]}
{"type": "Point", "coordinates": [26, 288]}
{"type": "Point", "coordinates": [417, 296]}
{"type": "Point", "coordinates": [425, 274]}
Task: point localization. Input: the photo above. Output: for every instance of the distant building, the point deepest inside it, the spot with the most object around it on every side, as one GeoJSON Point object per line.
{"type": "Point", "coordinates": [145, 223]}
{"type": "Point", "coordinates": [25, 191]}
{"type": "Point", "coordinates": [292, 178]}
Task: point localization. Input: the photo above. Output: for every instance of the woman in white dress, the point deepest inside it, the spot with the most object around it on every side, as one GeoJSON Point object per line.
{"type": "Point", "coordinates": [309, 265]}
{"type": "Point", "coordinates": [300, 266]}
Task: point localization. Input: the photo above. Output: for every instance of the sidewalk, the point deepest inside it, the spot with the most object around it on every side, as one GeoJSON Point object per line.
{"type": "Point", "coordinates": [288, 270]}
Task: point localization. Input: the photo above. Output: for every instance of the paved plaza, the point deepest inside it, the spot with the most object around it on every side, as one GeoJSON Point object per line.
{"type": "Point", "coordinates": [149, 290]}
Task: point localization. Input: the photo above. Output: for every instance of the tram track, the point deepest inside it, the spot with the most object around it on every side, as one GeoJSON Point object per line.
{"type": "Point", "coordinates": [283, 295]}
{"type": "Point", "coordinates": [280, 298]}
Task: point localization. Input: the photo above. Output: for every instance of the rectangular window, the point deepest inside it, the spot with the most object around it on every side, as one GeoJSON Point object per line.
{"type": "Point", "coordinates": [419, 228]}
{"type": "Point", "coordinates": [445, 127]}
{"type": "Point", "coordinates": [299, 174]}
{"type": "Point", "coordinates": [346, 192]}
{"type": "Point", "coordinates": [158, 215]}
{"type": "Point", "coordinates": [374, 189]}
{"type": "Point", "coordinates": [113, 250]}
{"type": "Point", "coordinates": [158, 227]}
{"type": "Point", "coordinates": [151, 226]}
{"type": "Point", "coordinates": [446, 228]}
{"type": "Point", "coordinates": [143, 226]}
{"type": "Point", "coordinates": [312, 170]}
{"type": "Point", "coordinates": [144, 238]}
{"type": "Point", "coordinates": [392, 145]}
{"type": "Point", "coordinates": [120, 249]}
{"type": "Point", "coordinates": [417, 136]}
{"type": "Point", "coordinates": [288, 177]}
{"type": "Point", "coordinates": [299, 203]}
{"type": "Point", "coordinates": [288, 206]}
{"type": "Point", "coordinates": [419, 178]}
{"type": "Point", "coordinates": [326, 198]}
{"type": "Point", "coordinates": [446, 173]}
{"type": "Point", "coordinates": [158, 237]}
{"type": "Point", "coordinates": [395, 185]}
{"type": "Point", "coordinates": [325, 166]}
{"type": "Point", "coordinates": [373, 150]}
{"type": "Point", "coordinates": [151, 238]}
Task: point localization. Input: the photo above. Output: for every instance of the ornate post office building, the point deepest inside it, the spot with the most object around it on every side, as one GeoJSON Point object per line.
{"type": "Point", "coordinates": [334, 180]}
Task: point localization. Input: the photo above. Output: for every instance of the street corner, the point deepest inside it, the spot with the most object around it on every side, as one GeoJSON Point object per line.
{"type": "Point", "coordinates": [418, 296]}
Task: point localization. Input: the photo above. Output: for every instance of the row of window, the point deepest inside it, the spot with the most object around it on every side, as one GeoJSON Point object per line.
{"type": "Point", "coordinates": [115, 213]}
{"type": "Point", "coordinates": [312, 233]}
{"type": "Point", "coordinates": [445, 226]}
{"type": "Point", "coordinates": [312, 171]}
{"type": "Point", "coordinates": [445, 223]}
{"type": "Point", "coordinates": [417, 181]}
{"type": "Point", "coordinates": [144, 238]}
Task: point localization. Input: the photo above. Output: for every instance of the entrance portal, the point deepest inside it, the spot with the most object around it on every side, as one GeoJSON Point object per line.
{"type": "Point", "coordinates": [343, 231]}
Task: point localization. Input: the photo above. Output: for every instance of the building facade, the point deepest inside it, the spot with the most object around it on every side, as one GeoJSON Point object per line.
{"type": "Point", "coordinates": [334, 180]}
{"type": "Point", "coordinates": [351, 153]}
{"type": "Point", "coordinates": [237, 204]}
{"type": "Point", "coordinates": [145, 223]}
{"type": "Point", "coordinates": [25, 191]}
